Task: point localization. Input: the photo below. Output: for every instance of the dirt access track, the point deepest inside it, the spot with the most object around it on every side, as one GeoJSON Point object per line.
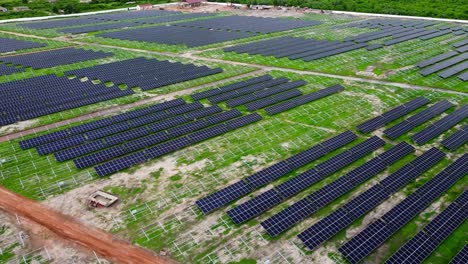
{"type": "Point", "coordinates": [102, 243]}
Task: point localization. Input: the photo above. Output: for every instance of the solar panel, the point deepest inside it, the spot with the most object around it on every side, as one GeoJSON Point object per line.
{"type": "Point", "coordinates": [10, 44]}
{"type": "Point", "coordinates": [304, 180]}
{"type": "Point", "coordinates": [223, 196]}
{"type": "Point", "coordinates": [461, 257]}
{"type": "Point", "coordinates": [279, 169]}
{"type": "Point", "coordinates": [456, 140]}
{"type": "Point", "coordinates": [231, 87]}
{"type": "Point", "coordinates": [392, 114]}
{"type": "Point", "coordinates": [444, 64]}
{"type": "Point", "coordinates": [441, 125]}
{"type": "Point", "coordinates": [417, 119]}
{"type": "Point", "coordinates": [436, 59]}
{"type": "Point", "coordinates": [375, 234]}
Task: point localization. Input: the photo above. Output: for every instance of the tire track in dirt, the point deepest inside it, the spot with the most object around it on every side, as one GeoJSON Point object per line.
{"type": "Point", "coordinates": [69, 229]}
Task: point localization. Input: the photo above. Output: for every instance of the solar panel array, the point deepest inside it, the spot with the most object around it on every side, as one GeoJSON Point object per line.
{"type": "Point", "coordinates": [296, 48]}
{"type": "Point", "coordinates": [173, 35]}
{"type": "Point", "coordinates": [5, 69]}
{"type": "Point", "coordinates": [457, 139]}
{"type": "Point", "coordinates": [440, 126]}
{"type": "Point", "coordinates": [61, 134]}
{"type": "Point", "coordinates": [418, 119]}
{"type": "Point", "coordinates": [302, 209]}
{"type": "Point", "coordinates": [144, 73]}
{"type": "Point", "coordinates": [449, 64]}
{"type": "Point", "coordinates": [369, 199]}
{"type": "Point", "coordinates": [34, 97]}
{"type": "Point", "coordinates": [52, 58]}
{"type": "Point", "coordinates": [119, 25]}
{"type": "Point", "coordinates": [9, 45]}
{"type": "Point", "coordinates": [301, 100]}
{"type": "Point", "coordinates": [293, 186]}
{"type": "Point", "coordinates": [176, 144]}
{"type": "Point", "coordinates": [249, 24]}
{"type": "Point", "coordinates": [147, 133]}
{"type": "Point", "coordinates": [426, 241]}
{"type": "Point", "coordinates": [392, 114]}
{"type": "Point", "coordinates": [385, 22]}
{"type": "Point", "coordinates": [461, 257]}
{"type": "Point", "coordinates": [255, 181]}
{"type": "Point", "coordinates": [117, 16]}
{"type": "Point", "coordinates": [361, 245]}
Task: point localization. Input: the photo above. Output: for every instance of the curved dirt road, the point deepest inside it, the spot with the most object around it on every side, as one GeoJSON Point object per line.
{"type": "Point", "coordinates": [69, 229]}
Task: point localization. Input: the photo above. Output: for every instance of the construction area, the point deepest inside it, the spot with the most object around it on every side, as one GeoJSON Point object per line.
{"type": "Point", "coordinates": [215, 133]}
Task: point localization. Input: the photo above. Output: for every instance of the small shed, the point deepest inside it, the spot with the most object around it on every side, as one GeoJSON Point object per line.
{"type": "Point", "coordinates": [102, 199]}
{"type": "Point", "coordinates": [3, 9]}
{"type": "Point", "coordinates": [192, 3]}
{"type": "Point", "coordinates": [21, 8]}
{"type": "Point", "coordinates": [144, 7]}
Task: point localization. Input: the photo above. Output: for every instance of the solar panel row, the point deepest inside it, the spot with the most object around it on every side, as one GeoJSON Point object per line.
{"type": "Point", "coordinates": [173, 145]}
{"type": "Point", "coordinates": [457, 139]}
{"type": "Point", "coordinates": [159, 132]}
{"type": "Point", "coordinates": [54, 136]}
{"type": "Point", "coordinates": [117, 134]}
{"type": "Point", "coordinates": [230, 87]}
{"type": "Point", "coordinates": [34, 97]}
{"type": "Point", "coordinates": [418, 119]}
{"type": "Point", "coordinates": [281, 192]}
{"type": "Point", "coordinates": [392, 114]}
{"type": "Point", "coordinates": [391, 22]}
{"type": "Point", "coordinates": [296, 48]}
{"type": "Point", "coordinates": [246, 90]}
{"type": "Point", "coordinates": [9, 45]}
{"type": "Point", "coordinates": [92, 19]}
{"type": "Point", "coordinates": [249, 24]}
{"type": "Point", "coordinates": [271, 173]}
{"type": "Point", "coordinates": [52, 58]}
{"type": "Point", "coordinates": [259, 95]}
{"type": "Point", "coordinates": [295, 213]}
{"type": "Point", "coordinates": [461, 257]}
{"type": "Point", "coordinates": [144, 73]}
{"type": "Point", "coordinates": [173, 35]}
{"type": "Point", "coordinates": [6, 70]}
{"type": "Point", "coordinates": [364, 202]}
{"type": "Point", "coordinates": [134, 23]}
{"type": "Point", "coordinates": [441, 126]}
{"type": "Point", "coordinates": [301, 100]}
{"type": "Point", "coordinates": [444, 64]}
{"type": "Point", "coordinates": [360, 246]}
{"type": "Point", "coordinates": [436, 59]}
{"type": "Point", "coordinates": [426, 241]}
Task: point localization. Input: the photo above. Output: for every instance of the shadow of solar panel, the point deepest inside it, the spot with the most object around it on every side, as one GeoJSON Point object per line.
{"type": "Point", "coordinates": [230, 87]}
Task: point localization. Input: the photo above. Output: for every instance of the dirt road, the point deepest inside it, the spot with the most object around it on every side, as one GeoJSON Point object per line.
{"type": "Point", "coordinates": [102, 243]}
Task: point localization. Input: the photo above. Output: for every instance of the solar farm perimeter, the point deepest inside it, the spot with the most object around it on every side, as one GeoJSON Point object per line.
{"type": "Point", "coordinates": [242, 136]}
